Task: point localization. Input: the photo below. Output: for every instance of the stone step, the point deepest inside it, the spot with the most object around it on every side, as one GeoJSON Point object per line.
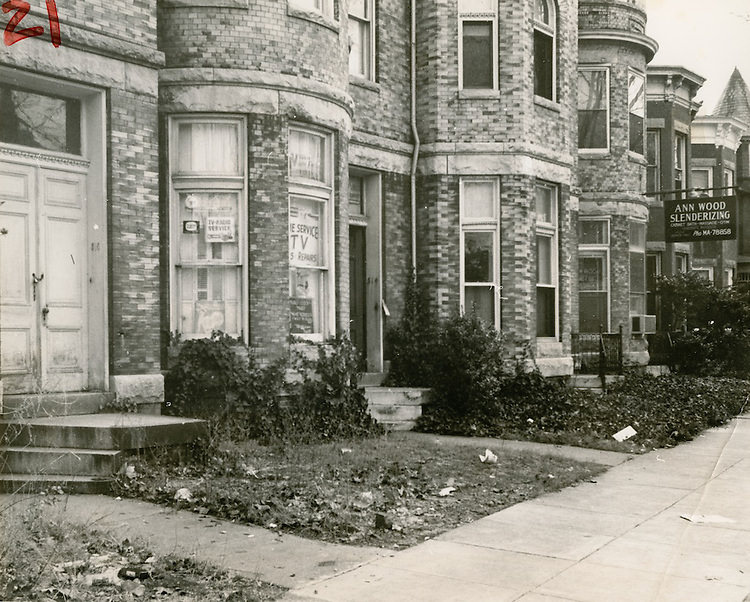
{"type": "Point", "coordinates": [372, 379]}
{"type": "Point", "coordinates": [54, 460]}
{"type": "Point", "coordinates": [396, 408]}
{"type": "Point", "coordinates": [18, 406]}
{"type": "Point", "coordinates": [20, 483]}
{"type": "Point", "coordinates": [101, 431]}
{"type": "Point", "coordinates": [396, 395]}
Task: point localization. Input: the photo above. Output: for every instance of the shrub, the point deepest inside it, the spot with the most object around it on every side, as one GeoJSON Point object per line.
{"type": "Point", "coordinates": [411, 340]}
{"type": "Point", "coordinates": [714, 324]}
{"type": "Point", "coordinates": [218, 379]}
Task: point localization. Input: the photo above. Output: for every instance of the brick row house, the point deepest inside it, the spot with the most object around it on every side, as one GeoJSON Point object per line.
{"type": "Point", "coordinates": [268, 168]}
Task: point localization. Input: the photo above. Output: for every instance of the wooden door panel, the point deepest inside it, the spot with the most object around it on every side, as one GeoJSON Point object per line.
{"type": "Point", "coordinates": [63, 258]}
{"type": "Point", "coordinates": [19, 357]}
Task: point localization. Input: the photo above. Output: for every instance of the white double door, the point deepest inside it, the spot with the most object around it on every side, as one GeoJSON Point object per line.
{"type": "Point", "coordinates": [43, 278]}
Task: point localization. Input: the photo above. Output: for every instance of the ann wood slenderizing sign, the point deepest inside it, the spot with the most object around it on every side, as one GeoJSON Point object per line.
{"type": "Point", "coordinates": [705, 218]}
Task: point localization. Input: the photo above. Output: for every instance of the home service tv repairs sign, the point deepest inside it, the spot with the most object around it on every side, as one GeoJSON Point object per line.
{"type": "Point", "coordinates": [696, 219]}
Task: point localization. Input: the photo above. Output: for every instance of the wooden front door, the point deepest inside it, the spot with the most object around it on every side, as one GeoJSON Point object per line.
{"type": "Point", "coordinates": [357, 289]}
{"type": "Point", "coordinates": [43, 278]}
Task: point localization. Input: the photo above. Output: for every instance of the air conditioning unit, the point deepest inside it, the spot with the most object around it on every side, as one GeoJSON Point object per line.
{"type": "Point", "coordinates": [643, 324]}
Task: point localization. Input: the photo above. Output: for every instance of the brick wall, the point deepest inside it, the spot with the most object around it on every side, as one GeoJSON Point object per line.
{"type": "Point", "coordinates": [383, 107]}
{"type": "Point", "coordinates": [134, 233]}
{"type": "Point", "coordinates": [623, 15]}
{"type": "Point", "coordinates": [265, 36]}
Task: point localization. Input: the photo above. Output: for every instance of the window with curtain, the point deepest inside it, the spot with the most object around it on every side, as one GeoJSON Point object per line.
{"type": "Point", "coordinates": [546, 260]}
{"type": "Point", "coordinates": [636, 110]}
{"type": "Point", "coordinates": [545, 59]}
{"type": "Point", "coordinates": [593, 109]}
{"type": "Point", "coordinates": [208, 224]}
{"type": "Point", "coordinates": [480, 257]}
{"type": "Point", "coordinates": [680, 160]}
{"type": "Point", "coordinates": [361, 38]}
{"type": "Point", "coordinates": [310, 199]}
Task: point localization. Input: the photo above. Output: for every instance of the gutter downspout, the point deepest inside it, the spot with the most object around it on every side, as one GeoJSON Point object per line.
{"type": "Point", "coordinates": [415, 135]}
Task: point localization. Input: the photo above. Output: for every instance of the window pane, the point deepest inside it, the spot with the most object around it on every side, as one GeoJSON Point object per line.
{"type": "Point", "coordinates": [592, 232]}
{"type": "Point", "coordinates": [40, 121]}
{"type": "Point", "coordinates": [637, 272]}
{"type": "Point", "coordinates": [359, 53]}
{"type": "Point", "coordinates": [541, 11]}
{"type": "Point", "coordinates": [478, 257]}
{"type": "Point", "coordinates": [638, 236]}
{"type": "Point", "coordinates": [592, 274]}
{"type": "Point", "coordinates": [700, 178]}
{"type": "Point", "coordinates": [545, 205]}
{"type": "Point", "coordinates": [593, 308]}
{"type": "Point", "coordinates": [208, 148]}
{"type": "Point", "coordinates": [543, 65]}
{"type": "Point", "coordinates": [307, 158]}
{"type": "Point", "coordinates": [592, 109]}
{"type": "Point", "coordinates": [209, 299]}
{"type": "Point", "coordinates": [545, 311]}
{"type": "Point", "coordinates": [477, 54]}
{"type": "Point", "coordinates": [479, 199]}
{"type": "Point", "coordinates": [636, 133]}
{"type": "Point", "coordinates": [544, 260]}
{"type": "Point", "coordinates": [306, 300]}
{"type": "Point", "coordinates": [306, 232]}
{"type": "Point", "coordinates": [358, 8]}
{"type": "Point", "coordinates": [356, 196]}
{"type": "Point", "coordinates": [480, 300]}
{"type": "Point", "coordinates": [208, 226]}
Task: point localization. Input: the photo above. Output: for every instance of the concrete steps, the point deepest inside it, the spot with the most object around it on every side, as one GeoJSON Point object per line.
{"type": "Point", "coordinates": [54, 404]}
{"type": "Point", "coordinates": [396, 408]}
{"type": "Point", "coordinates": [81, 452]}
{"type": "Point", "coordinates": [592, 382]}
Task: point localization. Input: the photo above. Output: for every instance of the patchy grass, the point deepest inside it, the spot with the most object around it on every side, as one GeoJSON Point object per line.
{"type": "Point", "coordinates": [387, 492]}
{"type": "Point", "coordinates": [55, 560]}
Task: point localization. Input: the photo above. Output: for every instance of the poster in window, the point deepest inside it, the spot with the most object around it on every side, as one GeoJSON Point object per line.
{"type": "Point", "coordinates": [301, 315]}
{"type": "Point", "coordinates": [219, 228]}
{"type": "Point", "coordinates": [304, 233]}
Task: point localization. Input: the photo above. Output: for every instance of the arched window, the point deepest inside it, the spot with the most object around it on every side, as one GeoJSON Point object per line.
{"type": "Point", "coordinates": [545, 48]}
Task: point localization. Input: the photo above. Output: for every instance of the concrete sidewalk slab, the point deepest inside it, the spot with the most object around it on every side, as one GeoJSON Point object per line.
{"type": "Point", "coordinates": [620, 538]}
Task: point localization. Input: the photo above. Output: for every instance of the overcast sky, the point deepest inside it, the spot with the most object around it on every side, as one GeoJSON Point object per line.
{"type": "Point", "coordinates": [708, 37]}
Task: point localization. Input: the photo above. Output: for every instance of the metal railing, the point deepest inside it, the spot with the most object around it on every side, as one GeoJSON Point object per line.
{"type": "Point", "coordinates": [597, 353]}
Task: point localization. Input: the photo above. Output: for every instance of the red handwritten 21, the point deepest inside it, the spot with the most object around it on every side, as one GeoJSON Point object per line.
{"type": "Point", "coordinates": [11, 36]}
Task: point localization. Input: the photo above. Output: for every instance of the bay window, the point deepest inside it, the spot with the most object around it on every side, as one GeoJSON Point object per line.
{"type": "Point", "coordinates": [207, 200]}
{"type": "Point", "coordinates": [546, 260]}
{"type": "Point", "coordinates": [593, 108]}
{"type": "Point", "coordinates": [480, 268]}
{"type": "Point", "coordinates": [310, 228]}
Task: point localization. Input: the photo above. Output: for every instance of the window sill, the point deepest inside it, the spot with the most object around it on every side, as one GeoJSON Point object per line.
{"type": "Point", "coordinates": [593, 153]}
{"type": "Point", "coordinates": [315, 17]}
{"type": "Point", "coordinates": [552, 105]}
{"type": "Point", "coordinates": [637, 158]}
{"type": "Point", "coordinates": [478, 94]}
{"type": "Point", "coordinates": [363, 82]}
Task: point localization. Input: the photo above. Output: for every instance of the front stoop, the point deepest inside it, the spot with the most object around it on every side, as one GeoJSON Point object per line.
{"type": "Point", "coordinates": [396, 408]}
{"type": "Point", "coordinates": [80, 453]}
{"type": "Point", "coordinates": [593, 382]}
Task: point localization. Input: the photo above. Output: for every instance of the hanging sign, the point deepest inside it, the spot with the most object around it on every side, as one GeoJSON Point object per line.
{"type": "Point", "coordinates": [219, 229]}
{"type": "Point", "coordinates": [705, 218]}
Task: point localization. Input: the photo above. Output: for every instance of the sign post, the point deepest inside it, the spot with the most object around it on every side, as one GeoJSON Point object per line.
{"type": "Point", "coordinates": [697, 219]}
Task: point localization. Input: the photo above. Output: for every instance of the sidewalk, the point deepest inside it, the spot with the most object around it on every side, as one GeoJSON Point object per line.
{"type": "Point", "coordinates": [621, 538]}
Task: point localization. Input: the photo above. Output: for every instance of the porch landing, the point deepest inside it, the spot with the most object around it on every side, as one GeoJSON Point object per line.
{"type": "Point", "coordinates": [80, 453]}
